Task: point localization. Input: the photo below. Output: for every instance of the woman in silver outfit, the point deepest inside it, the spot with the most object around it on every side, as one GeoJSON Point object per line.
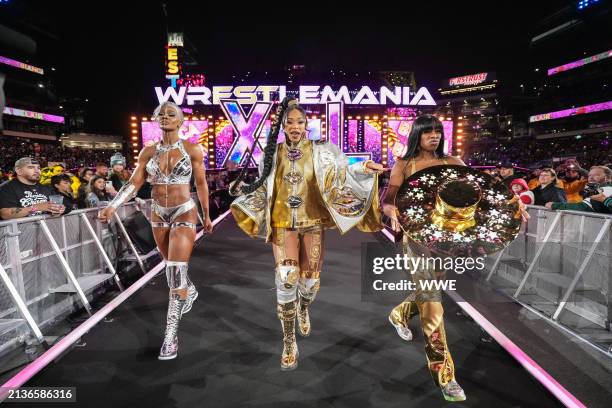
{"type": "Point", "coordinates": [169, 165]}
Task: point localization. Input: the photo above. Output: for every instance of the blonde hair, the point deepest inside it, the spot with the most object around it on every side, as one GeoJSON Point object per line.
{"type": "Point", "coordinates": [607, 172]}
{"type": "Point", "coordinates": [173, 106]}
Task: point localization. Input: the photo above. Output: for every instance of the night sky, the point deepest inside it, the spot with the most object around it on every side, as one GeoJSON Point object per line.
{"type": "Point", "coordinates": [113, 55]}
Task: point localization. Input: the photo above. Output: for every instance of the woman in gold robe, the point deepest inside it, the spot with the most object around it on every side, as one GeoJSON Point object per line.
{"type": "Point", "coordinates": [304, 188]}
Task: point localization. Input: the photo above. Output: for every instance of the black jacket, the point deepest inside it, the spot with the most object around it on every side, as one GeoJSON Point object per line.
{"type": "Point", "coordinates": [550, 193]}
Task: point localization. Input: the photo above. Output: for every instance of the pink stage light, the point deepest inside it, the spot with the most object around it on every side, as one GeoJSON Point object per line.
{"type": "Point", "coordinates": [598, 107]}
{"type": "Point", "coordinates": [33, 115]}
{"type": "Point", "coordinates": [580, 62]}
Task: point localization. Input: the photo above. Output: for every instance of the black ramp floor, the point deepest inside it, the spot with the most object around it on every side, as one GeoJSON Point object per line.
{"type": "Point", "coordinates": [230, 344]}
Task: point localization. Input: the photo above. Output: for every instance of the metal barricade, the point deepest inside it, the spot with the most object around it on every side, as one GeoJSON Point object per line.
{"type": "Point", "coordinates": [560, 265]}
{"type": "Point", "coordinates": [50, 266]}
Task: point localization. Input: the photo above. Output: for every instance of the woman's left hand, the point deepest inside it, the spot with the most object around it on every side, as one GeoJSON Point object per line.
{"type": "Point", "coordinates": [208, 226]}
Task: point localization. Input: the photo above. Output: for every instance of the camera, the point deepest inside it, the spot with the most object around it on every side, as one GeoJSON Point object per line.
{"type": "Point", "coordinates": [591, 189]}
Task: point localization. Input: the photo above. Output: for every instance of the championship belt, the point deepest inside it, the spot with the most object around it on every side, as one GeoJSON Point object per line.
{"type": "Point", "coordinates": [458, 210]}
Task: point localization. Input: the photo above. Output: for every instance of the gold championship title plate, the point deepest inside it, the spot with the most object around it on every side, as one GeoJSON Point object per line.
{"type": "Point", "coordinates": [458, 210]}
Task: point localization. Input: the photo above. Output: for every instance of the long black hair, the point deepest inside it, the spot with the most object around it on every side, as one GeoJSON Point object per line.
{"type": "Point", "coordinates": [270, 147]}
{"type": "Point", "coordinates": [424, 124]}
{"type": "Point", "coordinates": [91, 187]}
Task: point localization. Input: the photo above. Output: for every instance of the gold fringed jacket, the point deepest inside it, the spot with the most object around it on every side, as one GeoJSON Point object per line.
{"type": "Point", "coordinates": [349, 193]}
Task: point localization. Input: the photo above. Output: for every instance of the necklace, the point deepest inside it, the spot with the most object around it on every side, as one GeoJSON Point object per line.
{"type": "Point", "coordinates": [163, 148]}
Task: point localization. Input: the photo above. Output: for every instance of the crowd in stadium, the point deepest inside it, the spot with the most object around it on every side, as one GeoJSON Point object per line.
{"type": "Point", "coordinates": [578, 177]}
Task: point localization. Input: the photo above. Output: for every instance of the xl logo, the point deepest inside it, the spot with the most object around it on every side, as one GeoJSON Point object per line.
{"type": "Point", "coordinates": [247, 128]}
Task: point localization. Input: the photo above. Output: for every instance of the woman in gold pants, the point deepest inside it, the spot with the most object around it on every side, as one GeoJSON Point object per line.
{"type": "Point", "coordinates": [304, 187]}
{"type": "Point", "coordinates": [425, 149]}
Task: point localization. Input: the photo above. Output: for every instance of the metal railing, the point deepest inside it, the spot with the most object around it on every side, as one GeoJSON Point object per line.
{"type": "Point", "coordinates": [561, 265]}
{"type": "Point", "coordinates": [51, 266]}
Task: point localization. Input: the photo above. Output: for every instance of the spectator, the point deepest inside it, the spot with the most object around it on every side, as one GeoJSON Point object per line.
{"type": "Point", "coordinates": [534, 179]}
{"type": "Point", "coordinates": [520, 188]}
{"type": "Point", "coordinates": [600, 179]}
{"type": "Point", "coordinates": [75, 183]}
{"type": "Point", "coordinates": [96, 192]}
{"type": "Point", "coordinates": [215, 182]}
{"type": "Point", "coordinates": [85, 174]}
{"type": "Point", "coordinates": [62, 184]}
{"type": "Point", "coordinates": [117, 163]}
{"type": "Point", "coordinates": [58, 169]}
{"type": "Point", "coordinates": [232, 171]}
{"type": "Point", "coordinates": [24, 196]}
{"type": "Point", "coordinates": [506, 172]}
{"type": "Point", "coordinates": [126, 174]}
{"type": "Point", "coordinates": [12, 148]}
{"type": "Point", "coordinates": [45, 176]}
{"type": "Point", "coordinates": [573, 181]}
{"type": "Point", "coordinates": [102, 170]}
{"type": "Point", "coordinates": [216, 205]}
{"type": "Point", "coordinates": [547, 191]}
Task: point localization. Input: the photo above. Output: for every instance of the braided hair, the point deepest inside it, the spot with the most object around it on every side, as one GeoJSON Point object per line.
{"type": "Point", "coordinates": [270, 147]}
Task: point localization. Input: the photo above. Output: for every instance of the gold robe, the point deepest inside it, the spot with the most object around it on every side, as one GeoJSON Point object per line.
{"type": "Point", "coordinates": [348, 193]}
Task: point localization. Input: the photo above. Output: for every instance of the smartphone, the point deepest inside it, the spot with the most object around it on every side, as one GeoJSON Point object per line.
{"type": "Point", "coordinates": [109, 184]}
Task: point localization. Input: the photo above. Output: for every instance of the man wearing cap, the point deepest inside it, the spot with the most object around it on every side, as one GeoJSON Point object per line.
{"type": "Point", "coordinates": [24, 196]}
{"type": "Point", "coordinates": [573, 181]}
{"type": "Point", "coordinates": [506, 172]}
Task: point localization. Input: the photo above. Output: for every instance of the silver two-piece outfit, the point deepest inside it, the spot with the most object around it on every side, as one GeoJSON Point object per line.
{"type": "Point", "coordinates": [180, 174]}
{"type": "Point", "coordinates": [176, 272]}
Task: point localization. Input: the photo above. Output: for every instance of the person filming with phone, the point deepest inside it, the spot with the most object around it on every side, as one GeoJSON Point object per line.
{"type": "Point", "coordinates": [98, 191]}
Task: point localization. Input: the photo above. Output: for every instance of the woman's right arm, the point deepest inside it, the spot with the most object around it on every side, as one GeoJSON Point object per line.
{"type": "Point", "coordinates": [130, 188]}
{"type": "Point", "coordinates": [395, 181]}
{"type": "Point", "coordinates": [138, 178]}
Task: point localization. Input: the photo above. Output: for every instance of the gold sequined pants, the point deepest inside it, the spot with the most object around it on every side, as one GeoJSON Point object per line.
{"type": "Point", "coordinates": [428, 304]}
{"type": "Point", "coordinates": [304, 245]}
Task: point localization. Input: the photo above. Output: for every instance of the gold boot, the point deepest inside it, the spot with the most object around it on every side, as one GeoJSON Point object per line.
{"type": "Point", "coordinates": [400, 317]}
{"type": "Point", "coordinates": [307, 291]}
{"type": "Point", "coordinates": [303, 318]}
{"type": "Point", "coordinates": [286, 314]}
